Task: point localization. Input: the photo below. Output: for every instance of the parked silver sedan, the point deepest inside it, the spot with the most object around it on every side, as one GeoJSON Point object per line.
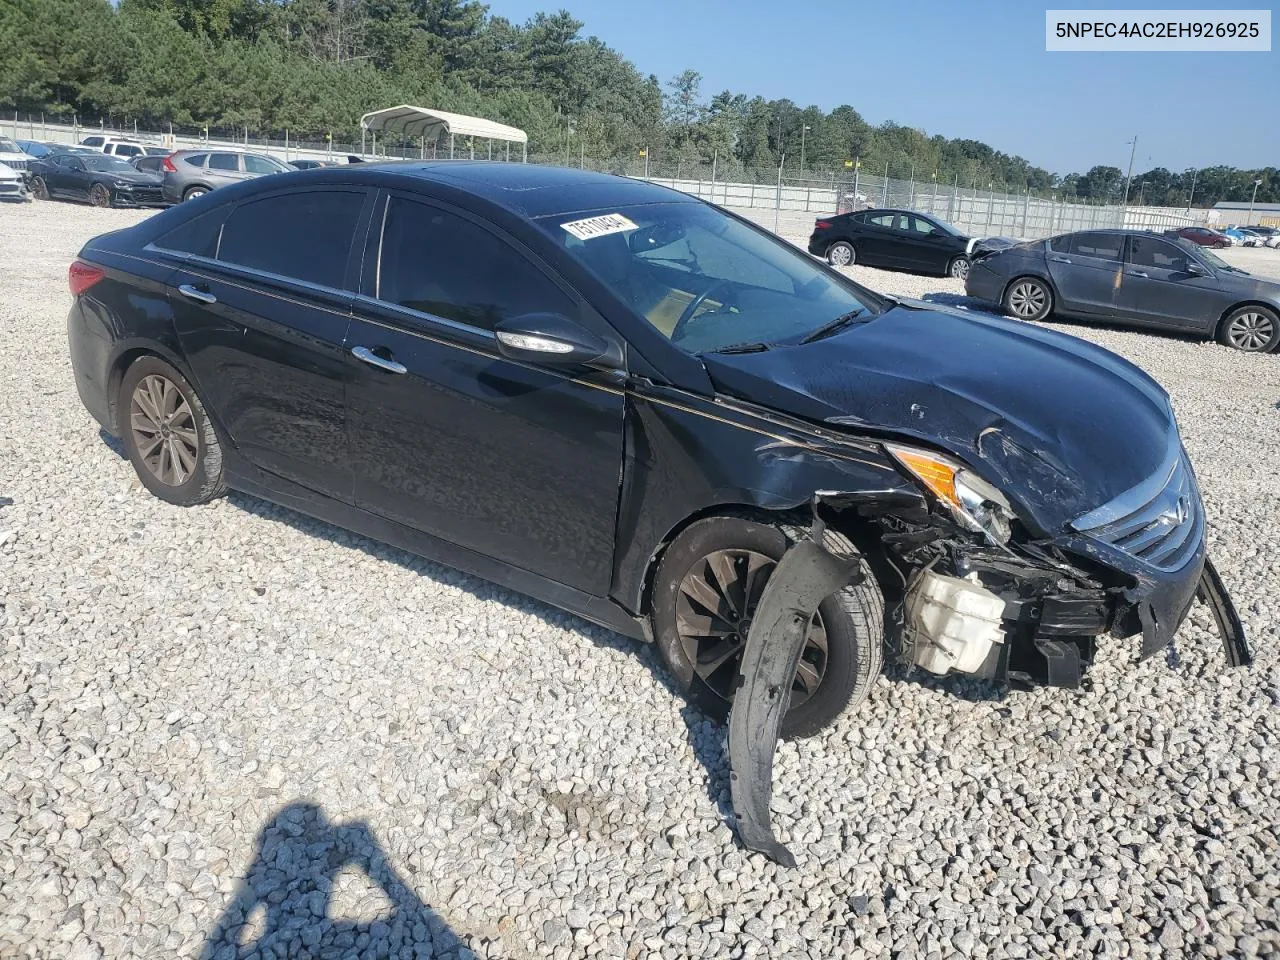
{"type": "Point", "coordinates": [190, 173]}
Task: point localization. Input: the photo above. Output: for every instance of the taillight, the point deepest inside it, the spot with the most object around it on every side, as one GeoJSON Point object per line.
{"type": "Point", "coordinates": [167, 163]}
{"type": "Point", "coordinates": [822, 224]}
{"type": "Point", "coordinates": [81, 276]}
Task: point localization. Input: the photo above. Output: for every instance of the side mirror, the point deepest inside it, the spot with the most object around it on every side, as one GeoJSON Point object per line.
{"type": "Point", "coordinates": [548, 338]}
{"type": "Point", "coordinates": [1196, 270]}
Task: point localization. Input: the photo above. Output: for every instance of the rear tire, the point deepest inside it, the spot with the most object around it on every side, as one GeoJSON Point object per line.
{"type": "Point", "coordinates": [1028, 298]}
{"type": "Point", "coordinates": [850, 623]}
{"type": "Point", "coordinates": [1251, 329]}
{"type": "Point", "coordinates": [192, 192]}
{"type": "Point", "coordinates": [168, 435]}
{"type": "Point", "coordinates": [842, 254]}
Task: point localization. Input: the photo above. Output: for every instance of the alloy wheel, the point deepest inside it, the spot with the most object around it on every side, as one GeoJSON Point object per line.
{"type": "Point", "coordinates": [959, 268]}
{"type": "Point", "coordinates": [714, 607]}
{"type": "Point", "coordinates": [164, 430]}
{"type": "Point", "coordinates": [1251, 331]}
{"type": "Point", "coordinates": [1027, 299]}
{"type": "Point", "coordinates": [99, 195]}
{"type": "Point", "coordinates": [840, 255]}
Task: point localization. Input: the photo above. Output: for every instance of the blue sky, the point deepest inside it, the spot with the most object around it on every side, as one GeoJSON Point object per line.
{"type": "Point", "coordinates": [962, 69]}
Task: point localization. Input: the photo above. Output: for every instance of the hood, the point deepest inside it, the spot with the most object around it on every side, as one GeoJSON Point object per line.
{"type": "Point", "coordinates": [133, 176]}
{"type": "Point", "coordinates": [1059, 425]}
{"type": "Point", "coordinates": [8, 173]}
{"type": "Point", "coordinates": [1245, 284]}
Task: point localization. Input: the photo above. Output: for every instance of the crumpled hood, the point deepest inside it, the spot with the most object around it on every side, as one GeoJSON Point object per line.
{"type": "Point", "coordinates": [1060, 425]}
{"type": "Point", "coordinates": [136, 176]}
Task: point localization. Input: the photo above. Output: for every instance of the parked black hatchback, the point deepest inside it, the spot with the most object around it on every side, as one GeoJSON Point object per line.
{"type": "Point", "coordinates": [1133, 278]}
{"type": "Point", "coordinates": [892, 238]}
{"type": "Point", "coordinates": [631, 404]}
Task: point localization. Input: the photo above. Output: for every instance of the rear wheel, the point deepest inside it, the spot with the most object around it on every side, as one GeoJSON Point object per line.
{"type": "Point", "coordinates": [1252, 329]}
{"type": "Point", "coordinates": [705, 594]}
{"type": "Point", "coordinates": [958, 268]}
{"type": "Point", "coordinates": [99, 195]}
{"type": "Point", "coordinates": [1028, 298]}
{"type": "Point", "coordinates": [192, 192]}
{"type": "Point", "coordinates": [168, 435]}
{"type": "Point", "coordinates": [39, 188]}
{"type": "Point", "coordinates": [842, 254]}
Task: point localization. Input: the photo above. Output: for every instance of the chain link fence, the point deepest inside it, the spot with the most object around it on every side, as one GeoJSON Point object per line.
{"type": "Point", "coordinates": [978, 212]}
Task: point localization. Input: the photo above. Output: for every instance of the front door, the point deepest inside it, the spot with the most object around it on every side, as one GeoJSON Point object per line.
{"type": "Point", "coordinates": [1085, 268]}
{"type": "Point", "coordinates": [263, 322]}
{"type": "Point", "coordinates": [888, 242]}
{"type": "Point", "coordinates": [518, 462]}
{"type": "Point", "coordinates": [1158, 288]}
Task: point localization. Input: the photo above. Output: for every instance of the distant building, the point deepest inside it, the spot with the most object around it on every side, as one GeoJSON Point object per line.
{"type": "Point", "coordinates": [1232, 211]}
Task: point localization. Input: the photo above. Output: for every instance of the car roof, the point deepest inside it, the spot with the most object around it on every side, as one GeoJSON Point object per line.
{"type": "Point", "coordinates": [527, 190]}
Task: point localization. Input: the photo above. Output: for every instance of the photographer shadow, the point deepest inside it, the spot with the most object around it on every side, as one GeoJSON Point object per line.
{"type": "Point", "coordinates": [282, 907]}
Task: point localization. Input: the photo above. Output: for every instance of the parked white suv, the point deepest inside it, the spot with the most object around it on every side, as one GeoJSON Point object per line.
{"type": "Point", "coordinates": [124, 147]}
{"type": "Point", "coordinates": [12, 156]}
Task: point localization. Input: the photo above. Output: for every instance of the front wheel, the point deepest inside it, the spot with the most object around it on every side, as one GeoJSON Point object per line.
{"type": "Point", "coordinates": [99, 195]}
{"type": "Point", "coordinates": [958, 268]}
{"type": "Point", "coordinates": [705, 594]}
{"type": "Point", "coordinates": [842, 254]}
{"type": "Point", "coordinates": [1252, 329]}
{"type": "Point", "coordinates": [39, 189]}
{"type": "Point", "coordinates": [168, 435]}
{"type": "Point", "coordinates": [1028, 298]}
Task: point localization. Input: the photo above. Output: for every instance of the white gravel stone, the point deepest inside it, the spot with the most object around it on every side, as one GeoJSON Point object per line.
{"type": "Point", "coordinates": [204, 711]}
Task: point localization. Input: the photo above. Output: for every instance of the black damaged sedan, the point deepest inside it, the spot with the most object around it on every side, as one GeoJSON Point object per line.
{"type": "Point", "coordinates": [634, 405]}
{"type": "Point", "coordinates": [95, 178]}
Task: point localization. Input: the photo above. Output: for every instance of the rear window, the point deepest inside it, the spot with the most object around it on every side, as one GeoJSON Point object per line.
{"type": "Point", "coordinates": [305, 236]}
{"type": "Point", "coordinates": [1103, 246]}
{"type": "Point", "coordinates": [196, 159]}
{"type": "Point", "coordinates": [1061, 244]}
{"type": "Point", "coordinates": [198, 236]}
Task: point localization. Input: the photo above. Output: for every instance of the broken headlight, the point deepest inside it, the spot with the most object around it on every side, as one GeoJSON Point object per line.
{"type": "Point", "coordinates": [975, 504]}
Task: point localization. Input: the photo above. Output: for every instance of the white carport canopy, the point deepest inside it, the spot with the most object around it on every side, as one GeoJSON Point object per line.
{"type": "Point", "coordinates": [411, 121]}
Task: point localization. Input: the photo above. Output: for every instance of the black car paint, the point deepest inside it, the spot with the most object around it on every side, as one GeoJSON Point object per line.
{"type": "Point", "coordinates": [675, 436]}
{"type": "Point", "coordinates": [1115, 291]}
{"type": "Point", "coordinates": [890, 247]}
{"type": "Point", "coordinates": [74, 182]}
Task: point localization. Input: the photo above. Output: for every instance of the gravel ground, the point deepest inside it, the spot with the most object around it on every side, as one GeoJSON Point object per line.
{"type": "Point", "coordinates": [231, 721]}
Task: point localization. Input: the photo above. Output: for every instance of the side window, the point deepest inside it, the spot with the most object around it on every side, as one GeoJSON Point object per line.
{"type": "Point", "coordinates": [196, 159]}
{"type": "Point", "coordinates": [258, 165]}
{"type": "Point", "coordinates": [128, 150]}
{"type": "Point", "coordinates": [1149, 252]}
{"type": "Point", "coordinates": [921, 225]}
{"type": "Point", "coordinates": [224, 161]}
{"type": "Point", "coordinates": [886, 220]}
{"type": "Point", "coordinates": [439, 263]}
{"type": "Point", "coordinates": [1103, 246]}
{"type": "Point", "coordinates": [92, 142]}
{"type": "Point", "coordinates": [306, 236]}
{"type": "Point", "coordinates": [1061, 244]}
{"type": "Point", "coordinates": [198, 236]}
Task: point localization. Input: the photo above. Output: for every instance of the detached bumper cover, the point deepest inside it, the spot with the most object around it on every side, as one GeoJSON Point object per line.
{"type": "Point", "coordinates": [807, 573]}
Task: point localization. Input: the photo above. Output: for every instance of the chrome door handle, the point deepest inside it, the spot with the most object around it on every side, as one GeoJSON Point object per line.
{"type": "Point", "coordinates": [1138, 273]}
{"type": "Point", "coordinates": [195, 293]}
{"type": "Point", "coordinates": [1059, 259]}
{"type": "Point", "coordinates": [371, 358]}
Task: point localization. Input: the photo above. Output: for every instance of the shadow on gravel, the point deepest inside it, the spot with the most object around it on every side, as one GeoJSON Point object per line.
{"type": "Point", "coordinates": [282, 907]}
{"type": "Point", "coordinates": [114, 445]}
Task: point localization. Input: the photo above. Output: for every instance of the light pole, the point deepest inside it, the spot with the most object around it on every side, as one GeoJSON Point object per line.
{"type": "Point", "coordinates": [1191, 195]}
{"type": "Point", "coordinates": [804, 128]}
{"type": "Point", "coordinates": [1142, 190]}
{"type": "Point", "coordinates": [1256, 185]}
{"type": "Point", "coordinates": [1129, 176]}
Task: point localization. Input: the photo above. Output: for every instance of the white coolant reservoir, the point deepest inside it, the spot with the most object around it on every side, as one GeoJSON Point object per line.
{"type": "Point", "coordinates": [951, 622]}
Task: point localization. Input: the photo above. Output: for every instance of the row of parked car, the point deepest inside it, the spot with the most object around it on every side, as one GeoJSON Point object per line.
{"type": "Point", "coordinates": [121, 172]}
{"type": "Point", "coordinates": [1169, 280]}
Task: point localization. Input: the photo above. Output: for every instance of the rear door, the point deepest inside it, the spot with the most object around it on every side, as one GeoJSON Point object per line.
{"type": "Point", "coordinates": [516, 461]}
{"type": "Point", "coordinates": [1157, 288]}
{"type": "Point", "coordinates": [885, 240]}
{"type": "Point", "coordinates": [262, 307]}
{"type": "Point", "coordinates": [224, 168]}
{"type": "Point", "coordinates": [1085, 268]}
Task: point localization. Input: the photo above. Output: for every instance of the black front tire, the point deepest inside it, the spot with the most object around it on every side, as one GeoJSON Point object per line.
{"type": "Point", "coordinates": [39, 189]}
{"type": "Point", "coordinates": [1250, 329]}
{"type": "Point", "coordinates": [853, 620]}
{"type": "Point", "coordinates": [204, 481]}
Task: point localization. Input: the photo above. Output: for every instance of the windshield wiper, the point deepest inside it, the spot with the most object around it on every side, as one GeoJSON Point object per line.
{"type": "Point", "coordinates": [831, 327]}
{"type": "Point", "coordinates": [755, 347]}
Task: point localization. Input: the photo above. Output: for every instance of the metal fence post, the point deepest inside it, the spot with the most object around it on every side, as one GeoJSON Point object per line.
{"type": "Point", "coordinates": [884, 202]}
{"type": "Point", "coordinates": [777, 197]}
{"type": "Point", "coordinates": [1026, 205]}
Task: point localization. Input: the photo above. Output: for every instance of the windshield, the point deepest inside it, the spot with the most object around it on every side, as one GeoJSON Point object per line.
{"type": "Point", "coordinates": [106, 164]}
{"type": "Point", "coordinates": [703, 279]}
{"type": "Point", "coordinates": [947, 228]}
{"type": "Point", "coordinates": [8, 146]}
